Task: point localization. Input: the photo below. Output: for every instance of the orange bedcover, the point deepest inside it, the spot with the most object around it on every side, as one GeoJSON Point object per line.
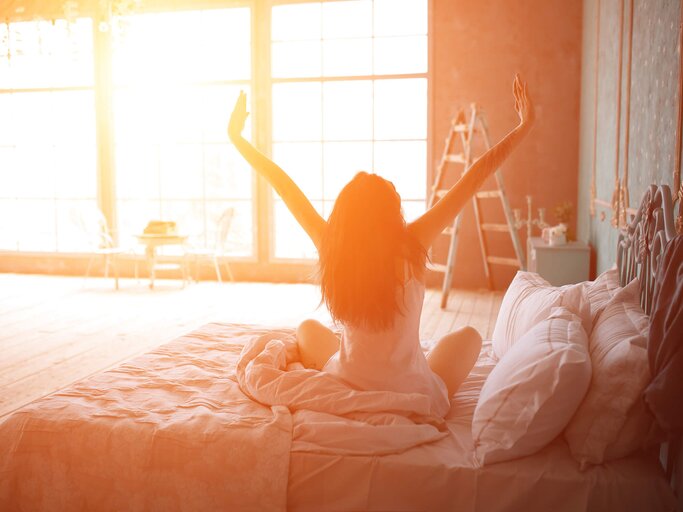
{"type": "Point", "coordinates": [168, 430]}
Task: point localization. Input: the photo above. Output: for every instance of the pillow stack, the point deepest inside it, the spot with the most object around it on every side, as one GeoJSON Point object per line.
{"type": "Point", "coordinates": [612, 421]}
{"type": "Point", "coordinates": [572, 359]}
{"type": "Point", "coordinates": [533, 391]}
{"type": "Point", "coordinates": [543, 371]}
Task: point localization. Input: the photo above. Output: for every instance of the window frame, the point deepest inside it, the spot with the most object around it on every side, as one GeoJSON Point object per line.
{"type": "Point", "coordinates": [262, 265]}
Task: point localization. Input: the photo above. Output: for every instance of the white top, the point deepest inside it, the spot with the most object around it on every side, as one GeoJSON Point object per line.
{"type": "Point", "coordinates": [391, 360]}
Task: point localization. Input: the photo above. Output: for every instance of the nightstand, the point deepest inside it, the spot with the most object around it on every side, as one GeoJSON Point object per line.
{"type": "Point", "coordinates": [559, 264]}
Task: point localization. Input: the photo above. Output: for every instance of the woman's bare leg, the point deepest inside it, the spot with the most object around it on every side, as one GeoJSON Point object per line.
{"type": "Point", "coordinates": [454, 355]}
{"type": "Point", "coordinates": [316, 343]}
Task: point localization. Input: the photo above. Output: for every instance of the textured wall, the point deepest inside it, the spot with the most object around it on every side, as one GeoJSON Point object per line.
{"type": "Point", "coordinates": [648, 157]}
{"type": "Point", "coordinates": [478, 46]}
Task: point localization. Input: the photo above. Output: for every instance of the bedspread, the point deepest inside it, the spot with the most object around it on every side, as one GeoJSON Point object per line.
{"type": "Point", "coordinates": [329, 416]}
{"type": "Point", "coordinates": [169, 430]}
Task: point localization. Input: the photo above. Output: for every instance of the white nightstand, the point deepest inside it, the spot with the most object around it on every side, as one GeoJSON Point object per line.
{"type": "Point", "coordinates": [559, 264]}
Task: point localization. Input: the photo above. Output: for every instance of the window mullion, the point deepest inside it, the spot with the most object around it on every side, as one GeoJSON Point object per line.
{"type": "Point", "coordinates": [261, 104]}
{"type": "Point", "coordinates": [106, 193]}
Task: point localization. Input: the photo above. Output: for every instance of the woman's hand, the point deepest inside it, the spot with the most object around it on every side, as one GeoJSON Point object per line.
{"type": "Point", "coordinates": [238, 117]}
{"type": "Point", "coordinates": [523, 104]}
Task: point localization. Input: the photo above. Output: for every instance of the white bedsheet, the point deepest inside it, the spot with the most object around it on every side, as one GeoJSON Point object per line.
{"type": "Point", "coordinates": [443, 475]}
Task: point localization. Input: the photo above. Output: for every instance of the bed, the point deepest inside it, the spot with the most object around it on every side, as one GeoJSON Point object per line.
{"type": "Point", "coordinates": [174, 429]}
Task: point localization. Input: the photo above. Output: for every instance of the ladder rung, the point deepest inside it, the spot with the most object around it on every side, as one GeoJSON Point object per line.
{"type": "Point", "coordinates": [488, 194]}
{"type": "Point", "coordinates": [436, 267]}
{"type": "Point", "coordinates": [457, 158]}
{"type": "Point", "coordinates": [503, 228]}
{"type": "Point", "coordinates": [448, 231]}
{"type": "Point", "coordinates": [463, 128]}
{"type": "Point", "coordinates": [496, 260]}
{"type": "Point", "coordinates": [440, 193]}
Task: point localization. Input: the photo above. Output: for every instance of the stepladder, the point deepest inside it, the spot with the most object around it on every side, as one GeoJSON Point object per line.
{"type": "Point", "coordinates": [468, 130]}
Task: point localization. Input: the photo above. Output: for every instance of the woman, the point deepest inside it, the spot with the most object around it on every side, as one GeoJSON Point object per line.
{"type": "Point", "coordinates": [372, 266]}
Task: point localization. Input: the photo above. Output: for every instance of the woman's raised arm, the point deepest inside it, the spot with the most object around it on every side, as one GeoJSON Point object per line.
{"type": "Point", "coordinates": [427, 227]}
{"type": "Point", "coordinates": [302, 209]}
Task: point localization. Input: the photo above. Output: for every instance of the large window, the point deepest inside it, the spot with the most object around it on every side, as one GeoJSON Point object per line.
{"type": "Point", "coordinates": [349, 93]}
{"type": "Point", "coordinates": [47, 135]}
{"type": "Point", "coordinates": [173, 95]}
{"type": "Point", "coordinates": [335, 87]}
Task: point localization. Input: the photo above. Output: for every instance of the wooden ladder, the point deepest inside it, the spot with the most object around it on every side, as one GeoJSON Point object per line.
{"type": "Point", "coordinates": [464, 129]}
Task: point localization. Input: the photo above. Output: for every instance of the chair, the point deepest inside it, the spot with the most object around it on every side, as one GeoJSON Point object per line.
{"type": "Point", "coordinates": [199, 255]}
{"type": "Point", "coordinates": [94, 226]}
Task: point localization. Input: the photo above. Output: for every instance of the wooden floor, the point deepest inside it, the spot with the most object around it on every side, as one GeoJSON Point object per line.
{"type": "Point", "coordinates": [56, 330]}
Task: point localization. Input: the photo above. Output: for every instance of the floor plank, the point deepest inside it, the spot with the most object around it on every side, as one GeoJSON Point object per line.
{"type": "Point", "coordinates": [56, 330]}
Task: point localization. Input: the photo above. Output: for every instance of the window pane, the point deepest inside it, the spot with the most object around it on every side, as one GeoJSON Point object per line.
{"type": "Point", "coordinates": [71, 237]}
{"type": "Point", "coordinates": [137, 171]}
{"type": "Point", "coordinates": [297, 113]}
{"type": "Point", "coordinates": [35, 229]}
{"type": "Point", "coordinates": [69, 119]}
{"type": "Point", "coordinates": [366, 125]}
{"type": "Point", "coordinates": [240, 238]}
{"type": "Point", "coordinates": [405, 165]}
{"type": "Point", "coordinates": [171, 141]}
{"type": "Point", "coordinates": [400, 17]}
{"type": "Point", "coordinates": [347, 57]}
{"type": "Point", "coordinates": [296, 58]}
{"type": "Point", "coordinates": [413, 209]}
{"type": "Point", "coordinates": [347, 109]}
{"type": "Point", "coordinates": [291, 241]}
{"type": "Point", "coordinates": [342, 160]}
{"type": "Point", "coordinates": [8, 171]}
{"type": "Point", "coordinates": [296, 22]}
{"type": "Point", "coordinates": [303, 162]}
{"type": "Point", "coordinates": [224, 45]}
{"type": "Point", "coordinates": [75, 169]}
{"type": "Point", "coordinates": [347, 19]}
{"type": "Point", "coordinates": [46, 54]}
{"type": "Point", "coordinates": [400, 55]}
{"type": "Point", "coordinates": [187, 46]}
{"type": "Point", "coordinates": [9, 228]}
{"type": "Point", "coordinates": [47, 153]}
{"type": "Point", "coordinates": [8, 118]}
{"type": "Point", "coordinates": [396, 117]}
{"type": "Point", "coordinates": [227, 175]}
{"type": "Point", "coordinates": [181, 171]}
{"type": "Point", "coordinates": [35, 175]}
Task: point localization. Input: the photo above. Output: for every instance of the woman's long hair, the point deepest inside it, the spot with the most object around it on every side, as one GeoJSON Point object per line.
{"type": "Point", "coordinates": [364, 253]}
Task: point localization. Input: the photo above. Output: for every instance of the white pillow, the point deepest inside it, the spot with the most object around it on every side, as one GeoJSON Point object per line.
{"type": "Point", "coordinates": [529, 300]}
{"type": "Point", "coordinates": [598, 293]}
{"type": "Point", "coordinates": [533, 391]}
{"type": "Point", "coordinates": [604, 425]}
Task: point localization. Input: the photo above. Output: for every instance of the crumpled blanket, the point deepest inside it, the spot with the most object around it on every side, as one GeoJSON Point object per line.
{"type": "Point", "coordinates": [328, 415]}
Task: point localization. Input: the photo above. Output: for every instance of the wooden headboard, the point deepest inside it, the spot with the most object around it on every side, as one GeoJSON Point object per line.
{"type": "Point", "coordinates": [640, 247]}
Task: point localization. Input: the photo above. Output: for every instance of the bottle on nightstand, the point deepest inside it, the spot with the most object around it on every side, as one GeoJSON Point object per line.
{"type": "Point", "coordinates": [559, 264]}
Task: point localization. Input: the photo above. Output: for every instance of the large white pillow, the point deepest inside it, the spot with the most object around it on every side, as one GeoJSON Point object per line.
{"type": "Point", "coordinates": [529, 300]}
{"type": "Point", "coordinates": [533, 391]}
{"type": "Point", "coordinates": [611, 422]}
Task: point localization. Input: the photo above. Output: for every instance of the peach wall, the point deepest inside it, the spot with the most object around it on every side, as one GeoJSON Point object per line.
{"type": "Point", "coordinates": [478, 45]}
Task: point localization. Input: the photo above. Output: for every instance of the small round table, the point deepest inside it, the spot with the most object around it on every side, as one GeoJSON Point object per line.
{"type": "Point", "coordinates": [151, 242]}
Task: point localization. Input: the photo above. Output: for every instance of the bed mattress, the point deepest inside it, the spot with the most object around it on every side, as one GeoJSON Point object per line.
{"type": "Point", "coordinates": [171, 430]}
